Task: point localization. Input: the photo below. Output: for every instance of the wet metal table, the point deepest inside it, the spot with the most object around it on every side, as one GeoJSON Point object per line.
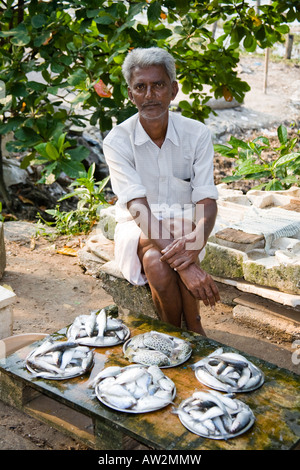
{"type": "Point", "coordinates": [71, 406]}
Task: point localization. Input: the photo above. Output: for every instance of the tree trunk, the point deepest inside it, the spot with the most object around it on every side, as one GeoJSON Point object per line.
{"type": "Point", "coordinates": [5, 195]}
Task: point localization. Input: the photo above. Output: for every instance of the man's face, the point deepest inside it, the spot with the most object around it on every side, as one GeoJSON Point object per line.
{"type": "Point", "coordinates": [151, 90]}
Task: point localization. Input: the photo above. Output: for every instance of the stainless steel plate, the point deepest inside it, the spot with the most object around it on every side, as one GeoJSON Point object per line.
{"type": "Point", "coordinates": [177, 342]}
{"type": "Point", "coordinates": [218, 385]}
{"type": "Point", "coordinates": [69, 375]}
{"type": "Point", "coordinates": [96, 343]}
{"type": "Point", "coordinates": [133, 410]}
{"type": "Point", "coordinates": [224, 436]}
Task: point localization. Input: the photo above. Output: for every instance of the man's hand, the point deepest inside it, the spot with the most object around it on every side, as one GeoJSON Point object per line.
{"type": "Point", "coordinates": [182, 252]}
{"type": "Point", "coordinates": [200, 284]}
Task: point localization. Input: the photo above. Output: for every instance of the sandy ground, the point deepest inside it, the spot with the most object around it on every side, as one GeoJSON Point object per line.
{"type": "Point", "coordinates": [52, 288]}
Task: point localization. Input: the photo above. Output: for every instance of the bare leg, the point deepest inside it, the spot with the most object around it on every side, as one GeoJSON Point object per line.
{"type": "Point", "coordinates": [163, 282]}
{"type": "Point", "coordinates": [170, 296]}
{"type": "Point", "coordinates": [191, 310]}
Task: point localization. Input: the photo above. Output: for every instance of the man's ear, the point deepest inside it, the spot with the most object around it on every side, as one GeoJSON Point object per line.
{"type": "Point", "coordinates": [175, 90]}
{"type": "Point", "coordinates": [130, 96]}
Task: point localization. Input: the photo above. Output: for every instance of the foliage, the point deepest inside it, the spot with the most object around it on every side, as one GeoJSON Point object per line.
{"type": "Point", "coordinates": [281, 172]}
{"type": "Point", "coordinates": [56, 159]}
{"type": "Point", "coordinates": [60, 61]}
{"type": "Point", "coordinates": [89, 194]}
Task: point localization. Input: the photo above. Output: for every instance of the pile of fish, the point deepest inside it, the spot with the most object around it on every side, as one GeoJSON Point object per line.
{"type": "Point", "coordinates": [228, 371]}
{"type": "Point", "coordinates": [134, 389]}
{"type": "Point", "coordinates": [215, 415]}
{"type": "Point", "coordinates": [154, 348]}
{"type": "Point", "coordinates": [98, 329]}
{"type": "Point", "coordinates": [59, 360]}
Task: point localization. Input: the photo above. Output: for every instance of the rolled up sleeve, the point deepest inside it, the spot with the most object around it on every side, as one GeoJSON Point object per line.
{"type": "Point", "coordinates": [125, 181]}
{"type": "Point", "coordinates": [203, 178]}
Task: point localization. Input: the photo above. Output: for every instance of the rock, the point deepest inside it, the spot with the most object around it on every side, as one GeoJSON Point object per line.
{"type": "Point", "coordinates": [134, 299]}
{"type": "Point", "coordinates": [107, 221]}
{"type": "Point", "coordinates": [12, 172]}
{"type": "Point", "coordinates": [20, 231]}
{"type": "Point", "coordinates": [7, 298]}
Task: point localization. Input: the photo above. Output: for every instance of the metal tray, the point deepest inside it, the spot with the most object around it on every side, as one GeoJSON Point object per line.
{"type": "Point", "coordinates": [92, 341]}
{"type": "Point", "coordinates": [215, 436]}
{"type": "Point", "coordinates": [132, 410]}
{"type": "Point", "coordinates": [176, 340]}
{"type": "Point", "coordinates": [222, 387]}
{"type": "Point", "coordinates": [57, 376]}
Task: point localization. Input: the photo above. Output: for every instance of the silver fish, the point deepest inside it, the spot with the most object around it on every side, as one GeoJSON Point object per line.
{"type": "Point", "coordinates": [101, 322]}
{"type": "Point", "coordinates": [59, 360]}
{"type": "Point", "coordinates": [222, 417]}
{"type": "Point", "coordinates": [133, 382]}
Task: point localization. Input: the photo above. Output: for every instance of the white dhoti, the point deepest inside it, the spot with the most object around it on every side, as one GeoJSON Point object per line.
{"type": "Point", "coordinates": [127, 235]}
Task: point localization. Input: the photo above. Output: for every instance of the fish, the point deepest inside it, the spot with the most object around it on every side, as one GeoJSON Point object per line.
{"type": "Point", "coordinates": [147, 357]}
{"type": "Point", "coordinates": [229, 372]}
{"type": "Point", "coordinates": [164, 350]}
{"type": "Point", "coordinates": [214, 415]}
{"type": "Point", "coordinates": [133, 388]}
{"type": "Point", "coordinates": [59, 360]}
{"type": "Point", "coordinates": [159, 342]}
{"type": "Point", "coordinates": [101, 322]}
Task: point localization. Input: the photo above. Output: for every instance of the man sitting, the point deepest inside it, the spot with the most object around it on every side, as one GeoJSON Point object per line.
{"type": "Point", "coordinates": [161, 167]}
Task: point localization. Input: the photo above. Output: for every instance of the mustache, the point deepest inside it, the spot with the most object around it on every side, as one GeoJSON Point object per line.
{"type": "Point", "coordinates": [150, 103]}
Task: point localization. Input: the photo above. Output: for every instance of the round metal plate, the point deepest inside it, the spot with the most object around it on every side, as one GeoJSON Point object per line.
{"type": "Point", "coordinates": [132, 410]}
{"type": "Point", "coordinates": [216, 436]}
{"type": "Point", "coordinates": [92, 341]}
{"type": "Point", "coordinates": [57, 376]}
{"type": "Point", "coordinates": [223, 388]}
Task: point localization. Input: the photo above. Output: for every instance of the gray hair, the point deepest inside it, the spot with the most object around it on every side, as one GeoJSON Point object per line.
{"type": "Point", "coordinates": [145, 57]}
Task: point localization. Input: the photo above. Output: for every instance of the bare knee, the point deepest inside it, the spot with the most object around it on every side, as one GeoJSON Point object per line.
{"type": "Point", "coordinates": [159, 274]}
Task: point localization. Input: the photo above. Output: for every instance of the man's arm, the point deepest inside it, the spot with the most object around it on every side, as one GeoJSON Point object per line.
{"type": "Point", "coordinates": [186, 249]}
{"type": "Point", "coordinates": [199, 283]}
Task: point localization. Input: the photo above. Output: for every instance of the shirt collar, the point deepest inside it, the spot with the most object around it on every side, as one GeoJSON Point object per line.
{"type": "Point", "coordinates": [141, 136]}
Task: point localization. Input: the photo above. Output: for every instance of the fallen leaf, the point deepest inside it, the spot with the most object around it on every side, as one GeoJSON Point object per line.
{"type": "Point", "coordinates": [25, 200]}
{"type": "Point", "coordinates": [67, 251]}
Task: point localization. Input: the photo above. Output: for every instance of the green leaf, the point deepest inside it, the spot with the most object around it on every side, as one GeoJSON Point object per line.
{"type": "Point", "coordinates": [224, 150]}
{"type": "Point", "coordinates": [77, 77]}
{"type": "Point", "coordinates": [282, 134]}
{"type": "Point", "coordinates": [79, 153]}
{"type": "Point", "coordinates": [38, 21]}
{"type": "Point", "coordinates": [51, 151]}
{"type": "Point", "coordinates": [274, 185]}
{"type": "Point", "coordinates": [71, 168]}
{"type": "Point", "coordinates": [153, 12]}
{"type": "Point", "coordinates": [248, 167]}
{"type": "Point", "coordinates": [286, 159]}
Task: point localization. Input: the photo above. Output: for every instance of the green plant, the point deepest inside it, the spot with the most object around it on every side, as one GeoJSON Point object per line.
{"type": "Point", "coordinates": [90, 197]}
{"type": "Point", "coordinates": [60, 61]}
{"type": "Point", "coordinates": [277, 166]}
{"type": "Point", "coordinates": [56, 156]}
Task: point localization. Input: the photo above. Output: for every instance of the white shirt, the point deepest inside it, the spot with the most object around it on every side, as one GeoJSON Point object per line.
{"type": "Point", "coordinates": [178, 173]}
{"type": "Point", "coordinates": [173, 177]}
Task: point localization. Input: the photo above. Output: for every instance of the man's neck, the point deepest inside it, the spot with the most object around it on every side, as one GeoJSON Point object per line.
{"type": "Point", "coordinates": [156, 129]}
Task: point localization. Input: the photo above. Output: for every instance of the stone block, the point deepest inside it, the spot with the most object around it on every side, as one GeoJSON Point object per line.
{"type": "Point", "coordinates": [223, 261]}
{"type": "Point", "coordinates": [133, 299]}
{"type": "Point", "coordinates": [7, 298]}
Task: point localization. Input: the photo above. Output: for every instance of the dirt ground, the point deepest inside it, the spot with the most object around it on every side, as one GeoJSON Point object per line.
{"type": "Point", "coordinates": [52, 289]}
